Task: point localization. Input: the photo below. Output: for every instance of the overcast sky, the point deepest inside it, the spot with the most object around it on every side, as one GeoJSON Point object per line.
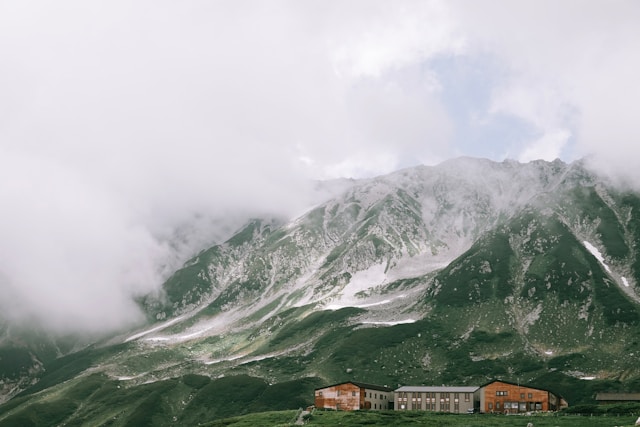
{"type": "Point", "coordinates": [123, 120]}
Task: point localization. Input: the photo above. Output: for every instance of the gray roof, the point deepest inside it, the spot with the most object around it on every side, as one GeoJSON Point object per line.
{"type": "Point", "coordinates": [361, 385]}
{"type": "Point", "coordinates": [443, 389]}
{"type": "Point", "coordinates": [618, 396]}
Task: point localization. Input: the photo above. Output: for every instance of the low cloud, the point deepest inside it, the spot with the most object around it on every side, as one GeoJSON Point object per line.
{"type": "Point", "coordinates": [133, 134]}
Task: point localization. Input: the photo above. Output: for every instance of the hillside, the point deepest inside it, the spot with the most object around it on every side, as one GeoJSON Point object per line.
{"type": "Point", "coordinates": [451, 274]}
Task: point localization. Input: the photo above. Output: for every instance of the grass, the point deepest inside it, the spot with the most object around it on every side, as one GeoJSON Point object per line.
{"type": "Point", "coordinates": [40, 414]}
{"type": "Point", "coordinates": [14, 362]}
{"type": "Point", "coordinates": [409, 418]}
{"type": "Point", "coordinates": [275, 418]}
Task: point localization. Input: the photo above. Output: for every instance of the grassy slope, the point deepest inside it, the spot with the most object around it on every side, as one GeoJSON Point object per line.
{"type": "Point", "coordinates": [94, 400]}
{"type": "Point", "coordinates": [471, 335]}
{"type": "Point", "coordinates": [397, 418]}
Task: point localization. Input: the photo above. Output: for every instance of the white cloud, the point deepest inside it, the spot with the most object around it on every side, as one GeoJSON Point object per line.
{"type": "Point", "coordinates": [570, 65]}
{"type": "Point", "coordinates": [388, 36]}
{"type": "Point", "coordinates": [70, 255]}
{"type": "Point", "coordinates": [548, 147]}
{"type": "Point", "coordinates": [124, 123]}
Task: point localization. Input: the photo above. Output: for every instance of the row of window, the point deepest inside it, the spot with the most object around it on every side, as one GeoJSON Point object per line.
{"type": "Point", "coordinates": [375, 406]}
{"type": "Point", "coordinates": [506, 393]}
{"type": "Point", "coordinates": [353, 393]}
{"type": "Point", "coordinates": [430, 406]}
{"type": "Point", "coordinates": [375, 396]}
{"type": "Point", "coordinates": [432, 396]}
{"type": "Point", "coordinates": [522, 406]}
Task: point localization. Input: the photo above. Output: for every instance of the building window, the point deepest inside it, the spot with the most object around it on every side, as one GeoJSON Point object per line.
{"type": "Point", "coordinates": [530, 395]}
{"type": "Point", "coordinates": [497, 405]}
{"type": "Point", "coordinates": [521, 395]}
{"type": "Point", "coordinates": [490, 406]}
{"type": "Point", "coordinates": [353, 393]}
{"type": "Point", "coordinates": [416, 401]}
{"type": "Point", "coordinates": [466, 397]}
{"type": "Point", "coordinates": [320, 393]}
{"type": "Point", "coordinates": [502, 393]}
{"type": "Point", "coordinates": [402, 400]}
{"type": "Point", "coordinates": [376, 395]}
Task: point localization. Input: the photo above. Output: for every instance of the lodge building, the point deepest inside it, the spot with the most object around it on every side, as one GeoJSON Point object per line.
{"type": "Point", "coordinates": [353, 396]}
{"type": "Point", "coordinates": [512, 398]}
{"type": "Point", "coordinates": [438, 399]}
{"type": "Point", "coordinates": [613, 398]}
{"type": "Point", "coordinates": [496, 396]}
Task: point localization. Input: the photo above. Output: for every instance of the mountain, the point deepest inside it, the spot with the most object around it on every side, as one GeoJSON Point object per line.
{"type": "Point", "coordinates": [448, 274]}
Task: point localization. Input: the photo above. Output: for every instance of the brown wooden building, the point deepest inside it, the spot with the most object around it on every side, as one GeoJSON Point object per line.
{"type": "Point", "coordinates": [353, 396]}
{"type": "Point", "coordinates": [510, 398]}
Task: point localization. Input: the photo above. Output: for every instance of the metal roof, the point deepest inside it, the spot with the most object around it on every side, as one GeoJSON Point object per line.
{"type": "Point", "coordinates": [442, 389]}
{"type": "Point", "coordinates": [618, 396]}
{"type": "Point", "coordinates": [359, 384]}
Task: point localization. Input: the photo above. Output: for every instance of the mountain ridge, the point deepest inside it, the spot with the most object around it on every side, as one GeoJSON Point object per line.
{"type": "Point", "coordinates": [455, 273]}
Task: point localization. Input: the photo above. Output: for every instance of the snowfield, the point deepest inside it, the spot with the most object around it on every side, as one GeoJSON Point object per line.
{"type": "Point", "coordinates": [596, 253]}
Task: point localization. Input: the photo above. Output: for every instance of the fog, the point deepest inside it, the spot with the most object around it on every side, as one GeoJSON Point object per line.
{"type": "Point", "coordinates": [133, 134]}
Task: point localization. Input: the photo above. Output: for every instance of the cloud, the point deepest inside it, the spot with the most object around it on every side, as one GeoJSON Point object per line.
{"type": "Point", "coordinates": [71, 257]}
{"type": "Point", "coordinates": [569, 68]}
{"type": "Point", "coordinates": [548, 146]}
{"type": "Point", "coordinates": [129, 129]}
{"type": "Point", "coordinates": [124, 124]}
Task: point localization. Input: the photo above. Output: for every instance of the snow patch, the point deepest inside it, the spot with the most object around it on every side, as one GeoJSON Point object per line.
{"type": "Point", "coordinates": [625, 281]}
{"type": "Point", "coordinates": [397, 322]}
{"type": "Point", "coordinates": [588, 378]}
{"type": "Point", "coordinates": [548, 352]}
{"type": "Point", "coordinates": [360, 281]}
{"type": "Point", "coordinates": [365, 279]}
{"type": "Point", "coordinates": [227, 359]}
{"type": "Point", "coordinates": [334, 307]}
{"type": "Point", "coordinates": [157, 328]}
{"type": "Point", "coordinates": [596, 253]}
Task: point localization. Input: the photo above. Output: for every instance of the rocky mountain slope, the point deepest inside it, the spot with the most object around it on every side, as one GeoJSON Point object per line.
{"type": "Point", "coordinates": [453, 274]}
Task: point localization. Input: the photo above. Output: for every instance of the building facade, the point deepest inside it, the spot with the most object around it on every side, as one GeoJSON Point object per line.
{"type": "Point", "coordinates": [611, 398]}
{"type": "Point", "coordinates": [353, 396]}
{"type": "Point", "coordinates": [457, 400]}
{"type": "Point", "coordinates": [510, 398]}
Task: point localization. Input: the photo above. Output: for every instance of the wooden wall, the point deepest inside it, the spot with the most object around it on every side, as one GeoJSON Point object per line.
{"type": "Point", "coordinates": [500, 397]}
{"type": "Point", "coordinates": [340, 397]}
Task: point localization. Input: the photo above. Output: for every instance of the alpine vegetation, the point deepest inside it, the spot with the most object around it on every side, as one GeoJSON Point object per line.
{"type": "Point", "coordinates": [450, 274]}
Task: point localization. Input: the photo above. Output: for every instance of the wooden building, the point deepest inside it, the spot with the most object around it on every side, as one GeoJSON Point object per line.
{"type": "Point", "coordinates": [511, 398]}
{"type": "Point", "coordinates": [353, 396]}
{"type": "Point", "coordinates": [457, 400]}
{"type": "Point", "coordinates": [610, 398]}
